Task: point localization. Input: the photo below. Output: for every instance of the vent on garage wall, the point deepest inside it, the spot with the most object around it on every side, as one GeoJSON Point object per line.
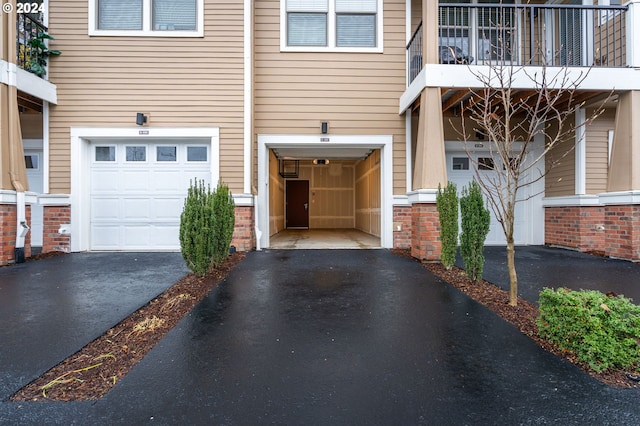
{"type": "Point", "coordinates": [289, 168]}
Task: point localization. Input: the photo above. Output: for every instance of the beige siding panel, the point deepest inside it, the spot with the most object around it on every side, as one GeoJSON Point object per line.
{"type": "Point", "coordinates": [598, 150]}
{"type": "Point", "coordinates": [560, 180]}
{"type": "Point", "coordinates": [357, 93]}
{"type": "Point", "coordinates": [178, 82]}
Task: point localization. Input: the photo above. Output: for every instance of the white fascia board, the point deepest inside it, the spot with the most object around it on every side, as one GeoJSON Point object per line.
{"type": "Point", "coordinates": [325, 140]}
{"type": "Point", "coordinates": [620, 198]}
{"type": "Point", "coordinates": [423, 196]}
{"type": "Point", "coordinates": [9, 196]}
{"type": "Point", "coordinates": [54, 199]}
{"type": "Point", "coordinates": [35, 86]}
{"type": "Point", "coordinates": [401, 200]}
{"type": "Point", "coordinates": [243, 200]}
{"type": "Point", "coordinates": [466, 77]}
{"type": "Point", "coordinates": [571, 201]}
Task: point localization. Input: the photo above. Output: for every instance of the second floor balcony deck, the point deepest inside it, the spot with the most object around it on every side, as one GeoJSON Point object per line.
{"type": "Point", "coordinates": [528, 35]}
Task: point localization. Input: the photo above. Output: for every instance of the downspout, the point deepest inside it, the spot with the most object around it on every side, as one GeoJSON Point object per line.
{"type": "Point", "coordinates": [15, 137]}
{"type": "Point", "coordinates": [248, 114]}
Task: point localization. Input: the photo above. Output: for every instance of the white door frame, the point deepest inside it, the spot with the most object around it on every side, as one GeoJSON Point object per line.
{"type": "Point", "coordinates": [82, 137]}
{"type": "Point", "coordinates": [326, 142]}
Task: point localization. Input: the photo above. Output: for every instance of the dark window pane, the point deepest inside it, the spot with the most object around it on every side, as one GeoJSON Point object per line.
{"type": "Point", "coordinates": [166, 153]}
{"type": "Point", "coordinates": [105, 153]}
{"type": "Point", "coordinates": [196, 153]}
{"type": "Point", "coordinates": [136, 153]}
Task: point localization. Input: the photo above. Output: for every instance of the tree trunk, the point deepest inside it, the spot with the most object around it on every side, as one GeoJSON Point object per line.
{"type": "Point", "coordinates": [513, 277]}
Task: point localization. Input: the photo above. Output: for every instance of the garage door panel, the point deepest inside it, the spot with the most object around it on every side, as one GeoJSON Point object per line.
{"type": "Point", "coordinates": [104, 182]}
{"type": "Point", "coordinates": [136, 235]}
{"type": "Point", "coordinates": [105, 237]}
{"type": "Point", "coordinates": [137, 205]}
{"type": "Point", "coordinates": [163, 234]}
{"type": "Point", "coordinates": [105, 208]}
{"type": "Point", "coordinates": [496, 235]}
{"type": "Point", "coordinates": [168, 181]}
{"type": "Point", "coordinates": [136, 209]}
{"type": "Point", "coordinates": [135, 180]}
{"type": "Point", "coordinates": [168, 208]}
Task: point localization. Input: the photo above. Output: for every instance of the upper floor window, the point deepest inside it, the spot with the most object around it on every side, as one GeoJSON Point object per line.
{"type": "Point", "coordinates": [331, 25]}
{"type": "Point", "coordinates": [166, 18]}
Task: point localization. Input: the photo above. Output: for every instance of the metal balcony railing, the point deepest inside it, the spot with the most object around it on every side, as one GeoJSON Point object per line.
{"type": "Point", "coordinates": [29, 27]}
{"type": "Point", "coordinates": [531, 34]}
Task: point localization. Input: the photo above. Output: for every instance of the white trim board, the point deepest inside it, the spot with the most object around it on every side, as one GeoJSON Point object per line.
{"type": "Point", "coordinates": [81, 137]}
{"type": "Point", "coordinates": [382, 142]}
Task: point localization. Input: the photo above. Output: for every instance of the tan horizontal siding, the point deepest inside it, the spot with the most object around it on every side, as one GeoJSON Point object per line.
{"type": "Point", "coordinates": [597, 159]}
{"type": "Point", "coordinates": [357, 93]}
{"type": "Point", "coordinates": [178, 82]}
{"type": "Point", "coordinates": [560, 179]}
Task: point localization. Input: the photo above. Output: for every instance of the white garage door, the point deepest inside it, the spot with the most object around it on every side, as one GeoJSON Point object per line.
{"type": "Point", "coordinates": [137, 192]}
{"type": "Point", "coordinates": [460, 172]}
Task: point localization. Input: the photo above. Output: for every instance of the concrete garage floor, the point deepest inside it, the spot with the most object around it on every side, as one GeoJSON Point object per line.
{"type": "Point", "coordinates": [339, 337]}
{"type": "Point", "coordinates": [323, 239]}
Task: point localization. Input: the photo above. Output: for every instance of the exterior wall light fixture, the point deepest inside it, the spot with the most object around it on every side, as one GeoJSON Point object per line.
{"type": "Point", "coordinates": [141, 119]}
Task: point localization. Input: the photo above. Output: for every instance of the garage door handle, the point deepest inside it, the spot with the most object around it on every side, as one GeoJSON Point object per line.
{"type": "Point", "coordinates": [306, 206]}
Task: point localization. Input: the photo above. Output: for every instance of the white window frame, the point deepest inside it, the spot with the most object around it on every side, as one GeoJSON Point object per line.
{"type": "Point", "coordinates": [146, 30]}
{"type": "Point", "coordinates": [331, 33]}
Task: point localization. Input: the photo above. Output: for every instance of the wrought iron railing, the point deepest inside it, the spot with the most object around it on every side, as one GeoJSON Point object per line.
{"type": "Point", "coordinates": [526, 34]}
{"type": "Point", "coordinates": [29, 27]}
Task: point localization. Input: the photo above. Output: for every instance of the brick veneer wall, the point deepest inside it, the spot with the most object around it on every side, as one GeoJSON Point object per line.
{"type": "Point", "coordinates": [243, 235]}
{"type": "Point", "coordinates": [8, 219]}
{"type": "Point", "coordinates": [54, 216]}
{"type": "Point", "coordinates": [622, 225]}
{"type": "Point", "coordinates": [425, 227]}
{"type": "Point", "coordinates": [575, 227]}
{"type": "Point", "coordinates": [402, 215]}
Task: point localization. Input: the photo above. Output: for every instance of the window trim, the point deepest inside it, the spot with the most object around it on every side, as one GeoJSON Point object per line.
{"type": "Point", "coordinates": [146, 31]}
{"type": "Point", "coordinates": [331, 32]}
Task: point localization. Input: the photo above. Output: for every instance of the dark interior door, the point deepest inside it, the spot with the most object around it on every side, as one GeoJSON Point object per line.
{"type": "Point", "coordinates": [297, 195]}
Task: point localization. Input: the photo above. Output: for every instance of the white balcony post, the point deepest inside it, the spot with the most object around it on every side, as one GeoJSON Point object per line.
{"type": "Point", "coordinates": [633, 34]}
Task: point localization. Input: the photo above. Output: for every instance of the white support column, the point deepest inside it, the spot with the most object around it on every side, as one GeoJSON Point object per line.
{"type": "Point", "coordinates": [581, 153]}
{"type": "Point", "coordinates": [633, 34]}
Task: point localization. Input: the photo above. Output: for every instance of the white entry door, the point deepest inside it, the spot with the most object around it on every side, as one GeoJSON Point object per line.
{"type": "Point", "coordinates": [33, 161]}
{"type": "Point", "coordinates": [137, 192]}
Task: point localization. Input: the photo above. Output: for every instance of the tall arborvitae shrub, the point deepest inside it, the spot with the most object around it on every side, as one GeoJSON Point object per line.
{"type": "Point", "coordinates": [447, 202]}
{"type": "Point", "coordinates": [206, 226]}
{"type": "Point", "coordinates": [224, 220]}
{"type": "Point", "coordinates": [475, 227]}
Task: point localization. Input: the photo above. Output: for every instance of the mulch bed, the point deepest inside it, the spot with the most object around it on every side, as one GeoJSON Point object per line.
{"type": "Point", "coordinates": [95, 369]}
{"type": "Point", "coordinates": [523, 316]}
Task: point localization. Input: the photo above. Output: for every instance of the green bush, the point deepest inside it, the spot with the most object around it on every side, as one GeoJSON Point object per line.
{"type": "Point", "coordinates": [475, 227]}
{"type": "Point", "coordinates": [206, 226]}
{"type": "Point", "coordinates": [602, 331]}
{"type": "Point", "coordinates": [224, 220]}
{"type": "Point", "coordinates": [447, 202]}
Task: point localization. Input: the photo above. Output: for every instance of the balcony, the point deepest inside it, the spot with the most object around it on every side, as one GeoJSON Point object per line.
{"type": "Point", "coordinates": [29, 28]}
{"type": "Point", "coordinates": [527, 35]}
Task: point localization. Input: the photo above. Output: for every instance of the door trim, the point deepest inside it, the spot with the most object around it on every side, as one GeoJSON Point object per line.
{"type": "Point", "coordinates": [331, 144]}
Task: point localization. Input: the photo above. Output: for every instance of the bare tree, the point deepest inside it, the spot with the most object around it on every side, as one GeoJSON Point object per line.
{"type": "Point", "coordinates": [510, 119]}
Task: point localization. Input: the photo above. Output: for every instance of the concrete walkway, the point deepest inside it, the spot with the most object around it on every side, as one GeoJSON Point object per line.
{"type": "Point", "coordinates": [343, 337]}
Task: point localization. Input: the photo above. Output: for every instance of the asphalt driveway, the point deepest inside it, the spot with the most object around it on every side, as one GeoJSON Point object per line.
{"type": "Point", "coordinates": [343, 337]}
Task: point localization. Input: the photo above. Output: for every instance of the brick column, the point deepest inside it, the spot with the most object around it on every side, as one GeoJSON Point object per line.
{"type": "Point", "coordinates": [402, 216]}
{"type": "Point", "coordinates": [622, 224]}
{"type": "Point", "coordinates": [244, 233]}
{"type": "Point", "coordinates": [425, 232]}
{"type": "Point", "coordinates": [8, 220]}
{"type": "Point", "coordinates": [54, 216]}
{"type": "Point", "coordinates": [579, 227]}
